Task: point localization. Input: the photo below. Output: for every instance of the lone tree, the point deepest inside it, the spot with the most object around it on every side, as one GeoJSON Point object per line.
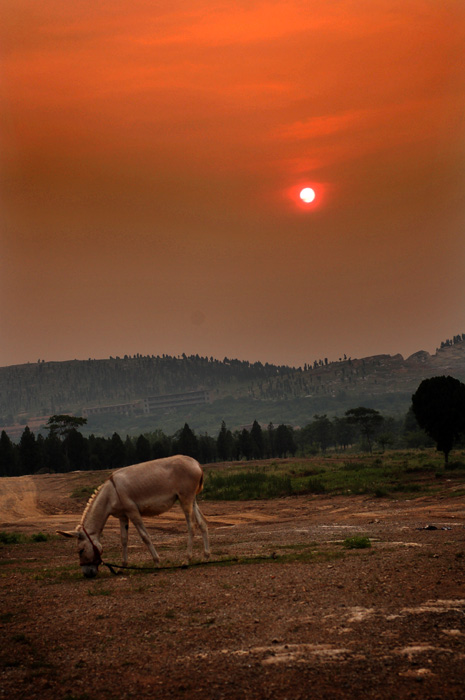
{"type": "Point", "coordinates": [439, 407]}
{"type": "Point", "coordinates": [368, 421]}
{"type": "Point", "coordinates": [61, 425]}
{"type": "Point", "coordinates": [63, 431]}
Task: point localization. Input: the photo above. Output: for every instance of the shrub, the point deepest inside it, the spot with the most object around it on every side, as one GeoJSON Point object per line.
{"type": "Point", "coordinates": [40, 537]}
{"type": "Point", "coordinates": [11, 537]}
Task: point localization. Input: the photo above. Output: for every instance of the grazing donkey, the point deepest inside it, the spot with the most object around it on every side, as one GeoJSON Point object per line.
{"type": "Point", "coordinates": [149, 488]}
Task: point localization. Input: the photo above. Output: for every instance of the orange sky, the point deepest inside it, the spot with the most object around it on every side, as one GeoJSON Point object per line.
{"type": "Point", "coordinates": [152, 155]}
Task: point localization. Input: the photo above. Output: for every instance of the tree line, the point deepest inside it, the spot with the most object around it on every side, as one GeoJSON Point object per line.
{"type": "Point", "coordinates": [436, 416]}
{"type": "Point", "coordinates": [64, 448]}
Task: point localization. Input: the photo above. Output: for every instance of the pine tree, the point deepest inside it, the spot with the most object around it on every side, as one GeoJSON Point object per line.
{"type": "Point", "coordinates": [8, 462]}
{"type": "Point", "coordinates": [225, 444]}
{"type": "Point", "coordinates": [28, 453]}
{"type": "Point", "coordinates": [258, 446]}
{"type": "Point", "coordinates": [187, 443]}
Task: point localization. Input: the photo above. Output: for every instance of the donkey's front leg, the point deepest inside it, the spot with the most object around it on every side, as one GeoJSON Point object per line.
{"type": "Point", "coordinates": [135, 518]}
{"type": "Point", "coordinates": [124, 527]}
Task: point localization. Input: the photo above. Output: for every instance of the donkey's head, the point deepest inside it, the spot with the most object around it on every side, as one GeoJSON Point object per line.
{"type": "Point", "coordinates": [89, 550]}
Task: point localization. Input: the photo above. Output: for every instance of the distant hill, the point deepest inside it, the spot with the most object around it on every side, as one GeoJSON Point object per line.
{"type": "Point", "coordinates": [142, 393]}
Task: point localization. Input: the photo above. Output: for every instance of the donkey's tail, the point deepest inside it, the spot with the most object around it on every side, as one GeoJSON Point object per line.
{"type": "Point", "coordinates": [200, 486]}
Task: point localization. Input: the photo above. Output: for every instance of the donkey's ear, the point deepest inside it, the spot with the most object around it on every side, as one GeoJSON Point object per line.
{"type": "Point", "coordinates": [68, 533]}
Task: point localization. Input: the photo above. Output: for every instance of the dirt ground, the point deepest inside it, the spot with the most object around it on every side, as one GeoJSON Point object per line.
{"type": "Point", "coordinates": [296, 615]}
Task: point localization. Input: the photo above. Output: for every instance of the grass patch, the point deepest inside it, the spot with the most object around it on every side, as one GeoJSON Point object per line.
{"type": "Point", "coordinates": [11, 537]}
{"type": "Point", "coordinates": [357, 542]}
{"type": "Point", "coordinates": [406, 473]}
{"type": "Point", "coordinates": [246, 485]}
{"type": "Point", "coordinates": [83, 492]}
{"type": "Point", "coordinates": [8, 538]}
{"type": "Point", "coordinates": [40, 537]}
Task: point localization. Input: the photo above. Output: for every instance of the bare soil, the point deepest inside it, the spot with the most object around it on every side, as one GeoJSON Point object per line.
{"type": "Point", "coordinates": [295, 614]}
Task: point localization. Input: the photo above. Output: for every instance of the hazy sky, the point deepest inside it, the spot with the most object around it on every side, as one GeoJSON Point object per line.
{"type": "Point", "coordinates": [152, 155]}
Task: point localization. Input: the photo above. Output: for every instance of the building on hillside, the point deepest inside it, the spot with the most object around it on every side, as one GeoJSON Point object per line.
{"type": "Point", "coordinates": [152, 404]}
{"type": "Point", "coordinates": [125, 409]}
{"type": "Point", "coordinates": [187, 398]}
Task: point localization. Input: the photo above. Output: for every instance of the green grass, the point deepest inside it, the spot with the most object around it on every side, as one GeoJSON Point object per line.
{"type": "Point", "coordinates": [83, 492]}
{"type": "Point", "coordinates": [357, 542]}
{"type": "Point", "coordinates": [7, 538]}
{"type": "Point", "coordinates": [402, 473]}
{"type": "Point", "coordinates": [247, 485]}
{"type": "Point", "coordinates": [40, 537]}
{"type": "Point", "coordinates": [11, 537]}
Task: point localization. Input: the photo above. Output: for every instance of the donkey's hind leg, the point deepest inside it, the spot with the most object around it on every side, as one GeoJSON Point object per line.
{"type": "Point", "coordinates": [202, 523]}
{"type": "Point", "coordinates": [187, 510]}
{"type": "Point", "coordinates": [124, 526]}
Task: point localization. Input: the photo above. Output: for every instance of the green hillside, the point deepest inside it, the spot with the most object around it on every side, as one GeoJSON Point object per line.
{"type": "Point", "coordinates": [116, 394]}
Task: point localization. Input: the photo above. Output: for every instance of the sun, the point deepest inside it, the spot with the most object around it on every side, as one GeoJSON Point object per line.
{"type": "Point", "coordinates": [307, 195]}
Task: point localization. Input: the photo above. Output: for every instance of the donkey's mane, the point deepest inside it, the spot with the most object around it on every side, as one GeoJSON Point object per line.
{"type": "Point", "coordinates": [90, 502]}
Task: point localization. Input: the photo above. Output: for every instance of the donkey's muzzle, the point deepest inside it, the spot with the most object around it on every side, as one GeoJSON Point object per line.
{"type": "Point", "coordinates": [89, 571]}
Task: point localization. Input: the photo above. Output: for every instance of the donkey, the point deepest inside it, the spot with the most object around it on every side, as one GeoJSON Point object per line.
{"type": "Point", "coordinates": [150, 488]}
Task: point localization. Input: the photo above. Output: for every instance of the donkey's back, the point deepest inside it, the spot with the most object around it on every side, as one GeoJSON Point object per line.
{"type": "Point", "coordinates": [155, 486]}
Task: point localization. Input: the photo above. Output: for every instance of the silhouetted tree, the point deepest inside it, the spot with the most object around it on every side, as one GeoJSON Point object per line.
{"type": "Point", "coordinates": [28, 453]}
{"type": "Point", "coordinates": [130, 451]}
{"type": "Point", "coordinates": [8, 462]}
{"type": "Point", "coordinates": [116, 454]}
{"type": "Point", "coordinates": [62, 424]}
{"type": "Point", "coordinates": [343, 432]}
{"type": "Point", "coordinates": [270, 439]}
{"type": "Point", "coordinates": [187, 443]}
{"type": "Point", "coordinates": [76, 449]}
{"type": "Point", "coordinates": [285, 443]}
{"type": "Point", "coordinates": [322, 431]}
{"type": "Point", "coordinates": [207, 449]}
{"type": "Point", "coordinates": [368, 421]}
{"type": "Point", "coordinates": [245, 446]}
{"type": "Point", "coordinates": [159, 449]}
{"type": "Point", "coordinates": [225, 444]}
{"type": "Point", "coordinates": [143, 449]}
{"type": "Point", "coordinates": [256, 436]}
{"type": "Point", "coordinates": [54, 458]}
{"type": "Point", "coordinates": [98, 449]}
{"type": "Point", "coordinates": [439, 407]}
